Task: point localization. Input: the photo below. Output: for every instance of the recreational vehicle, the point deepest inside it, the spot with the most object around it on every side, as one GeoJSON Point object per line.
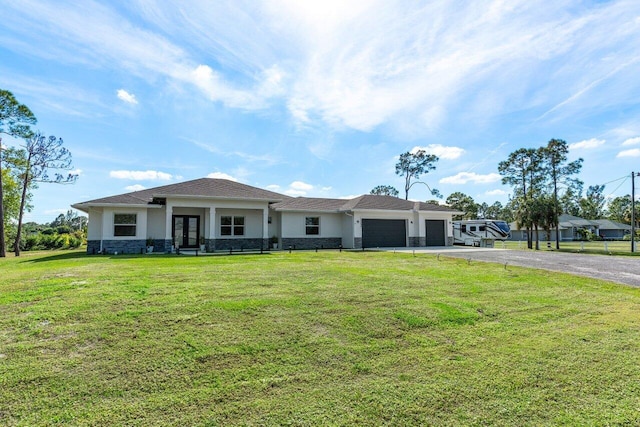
{"type": "Point", "coordinates": [479, 232]}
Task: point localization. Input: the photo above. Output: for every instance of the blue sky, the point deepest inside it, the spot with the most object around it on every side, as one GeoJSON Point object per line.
{"type": "Point", "coordinates": [319, 98]}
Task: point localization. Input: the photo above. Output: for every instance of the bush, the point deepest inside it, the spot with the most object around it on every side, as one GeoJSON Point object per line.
{"type": "Point", "coordinates": [74, 242]}
{"type": "Point", "coordinates": [63, 229]}
{"type": "Point", "coordinates": [46, 240]}
{"type": "Point", "coordinates": [585, 235]}
{"type": "Point", "coordinates": [31, 243]}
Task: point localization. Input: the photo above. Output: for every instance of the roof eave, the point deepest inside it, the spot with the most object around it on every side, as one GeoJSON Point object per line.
{"type": "Point", "coordinates": [203, 197]}
{"type": "Point", "coordinates": [307, 210]}
{"type": "Point", "coordinates": [85, 206]}
{"type": "Point", "coordinates": [400, 210]}
{"type": "Point", "coordinates": [358, 210]}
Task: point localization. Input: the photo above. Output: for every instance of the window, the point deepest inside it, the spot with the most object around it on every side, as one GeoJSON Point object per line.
{"type": "Point", "coordinates": [312, 225]}
{"type": "Point", "coordinates": [124, 224]}
{"type": "Point", "coordinates": [232, 226]}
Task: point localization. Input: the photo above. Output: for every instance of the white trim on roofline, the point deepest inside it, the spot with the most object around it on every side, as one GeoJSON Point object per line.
{"type": "Point", "coordinates": [202, 197]}
{"type": "Point", "coordinates": [308, 210]}
{"type": "Point", "coordinates": [83, 206]}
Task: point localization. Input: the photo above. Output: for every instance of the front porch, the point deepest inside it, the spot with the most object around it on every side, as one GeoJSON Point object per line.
{"type": "Point", "coordinates": [215, 228]}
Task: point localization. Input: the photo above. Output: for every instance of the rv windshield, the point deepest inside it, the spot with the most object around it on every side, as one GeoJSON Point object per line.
{"type": "Point", "coordinates": [503, 226]}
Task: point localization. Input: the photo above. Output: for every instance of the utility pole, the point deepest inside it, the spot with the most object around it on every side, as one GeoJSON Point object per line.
{"type": "Point", "coordinates": [633, 212]}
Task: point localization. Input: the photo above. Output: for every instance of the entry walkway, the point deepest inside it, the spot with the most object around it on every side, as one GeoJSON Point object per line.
{"type": "Point", "coordinates": [618, 269]}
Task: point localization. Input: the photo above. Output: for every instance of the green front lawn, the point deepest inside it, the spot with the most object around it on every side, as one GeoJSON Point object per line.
{"type": "Point", "coordinates": [329, 338]}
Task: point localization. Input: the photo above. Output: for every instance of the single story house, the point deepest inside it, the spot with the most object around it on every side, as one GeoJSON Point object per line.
{"type": "Point", "coordinates": [222, 214]}
{"type": "Point", "coordinates": [612, 230]}
{"type": "Point", "coordinates": [570, 226]}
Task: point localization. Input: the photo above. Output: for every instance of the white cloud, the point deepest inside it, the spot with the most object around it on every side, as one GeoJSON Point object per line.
{"type": "Point", "coordinates": [135, 187]}
{"type": "Point", "coordinates": [221, 175]}
{"type": "Point", "coordinates": [348, 197]}
{"type": "Point", "coordinates": [497, 192]}
{"type": "Point", "coordinates": [76, 172]}
{"type": "Point", "coordinates": [352, 64]}
{"type": "Point", "coordinates": [634, 152]}
{"type": "Point", "coordinates": [127, 97]}
{"type": "Point", "coordinates": [295, 193]}
{"type": "Point", "coordinates": [300, 186]}
{"type": "Point", "coordinates": [443, 152]}
{"type": "Point", "coordinates": [273, 187]}
{"type": "Point", "coordinates": [148, 175]}
{"type": "Point", "coordinates": [266, 85]}
{"type": "Point", "coordinates": [359, 77]}
{"type": "Point", "coordinates": [212, 84]}
{"type": "Point", "coordinates": [464, 177]}
{"type": "Point", "coordinates": [265, 159]}
{"type": "Point", "coordinates": [587, 144]}
{"type": "Point", "coordinates": [631, 141]}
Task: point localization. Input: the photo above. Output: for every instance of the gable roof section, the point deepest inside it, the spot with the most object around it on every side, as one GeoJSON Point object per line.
{"type": "Point", "coordinates": [568, 221]}
{"type": "Point", "coordinates": [200, 188]}
{"type": "Point", "coordinates": [219, 189]}
{"type": "Point", "coordinates": [309, 204]}
{"type": "Point", "coordinates": [379, 202]}
{"type": "Point", "coordinates": [607, 224]}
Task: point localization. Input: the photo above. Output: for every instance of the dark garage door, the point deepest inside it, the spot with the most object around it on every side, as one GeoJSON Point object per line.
{"type": "Point", "coordinates": [384, 233]}
{"type": "Point", "coordinates": [435, 232]}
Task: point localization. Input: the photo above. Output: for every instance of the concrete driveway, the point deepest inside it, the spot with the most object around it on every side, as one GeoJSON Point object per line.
{"type": "Point", "coordinates": [619, 269]}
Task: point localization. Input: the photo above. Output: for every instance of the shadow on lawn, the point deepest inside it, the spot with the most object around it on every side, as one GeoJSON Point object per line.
{"type": "Point", "coordinates": [77, 255]}
{"type": "Point", "coordinates": [58, 257]}
{"type": "Point", "coordinates": [84, 255]}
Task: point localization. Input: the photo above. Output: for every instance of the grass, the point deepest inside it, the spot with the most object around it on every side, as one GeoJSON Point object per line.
{"type": "Point", "coordinates": [351, 338]}
{"type": "Point", "coordinates": [616, 247]}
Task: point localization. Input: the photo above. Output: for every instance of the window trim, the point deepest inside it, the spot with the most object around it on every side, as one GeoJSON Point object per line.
{"type": "Point", "coordinates": [236, 227]}
{"type": "Point", "coordinates": [311, 226]}
{"type": "Point", "coordinates": [125, 225]}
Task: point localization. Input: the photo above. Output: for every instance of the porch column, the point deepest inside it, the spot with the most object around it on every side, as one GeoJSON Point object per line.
{"type": "Point", "coordinates": [212, 224]}
{"type": "Point", "coordinates": [168, 223]}
{"type": "Point", "coordinates": [168, 228]}
{"type": "Point", "coordinates": [265, 223]}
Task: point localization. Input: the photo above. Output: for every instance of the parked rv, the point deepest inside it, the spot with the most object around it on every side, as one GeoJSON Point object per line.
{"type": "Point", "coordinates": [479, 232]}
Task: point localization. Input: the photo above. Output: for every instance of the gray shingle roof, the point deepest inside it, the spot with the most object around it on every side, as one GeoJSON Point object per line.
{"type": "Point", "coordinates": [364, 202]}
{"type": "Point", "coordinates": [569, 221]}
{"type": "Point", "coordinates": [372, 201]}
{"type": "Point", "coordinates": [226, 189]}
{"type": "Point", "coordinates": [203, 187]}
{"type": "Point", "coordinates": [607, 224]}
{"type": "Point", "coordinates": [309, 204]}
{"type": "Point", "coordinates": [378, 202]}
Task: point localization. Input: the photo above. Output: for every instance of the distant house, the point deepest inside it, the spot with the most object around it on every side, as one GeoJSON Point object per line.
{"type": "Point", "coordinates": [612, 230]}
{"type": "Point", "coordinates": [223, 215]}
{"type": "Point", "coordinates": [570, 227]}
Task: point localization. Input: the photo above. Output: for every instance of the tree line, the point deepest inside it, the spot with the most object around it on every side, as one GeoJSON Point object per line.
{"type": "Point", "coordinates": [37, 159]}
{"type": "Point", "coordinates": [67, 231]}
{"type": "Point", "coordinates": [544, 186]}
